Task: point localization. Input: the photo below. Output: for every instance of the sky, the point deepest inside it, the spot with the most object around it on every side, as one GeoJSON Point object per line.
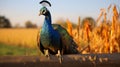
{"type": "Point", "coordinates": [20, 11]}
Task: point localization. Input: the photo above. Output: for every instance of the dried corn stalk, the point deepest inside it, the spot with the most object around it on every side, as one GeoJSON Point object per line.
{"type": "Point", "coordinates": [87, 32]}
{"type": "Point", "coordinates": [105, 18]}
{"type": "Point", "coordinates": [78, 28]}
{"type": "Point", "coordinates": [69, 27]}
{"type": "Point", "coordinates": [115, 12]}
{"type": "Point", "coordinates": [114, 47]}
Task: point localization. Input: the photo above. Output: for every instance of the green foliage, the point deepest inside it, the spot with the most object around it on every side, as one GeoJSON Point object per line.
{"type": "Point", "coordinates": [15, 50]}
{"type": "Point", "coordinates": [29, 24]}
{"type": "Point", "coordinates": [4, 22]}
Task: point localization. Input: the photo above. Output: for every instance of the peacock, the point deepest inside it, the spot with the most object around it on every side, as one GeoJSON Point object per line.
{"type": "Point", "coordinates": [54, 39]}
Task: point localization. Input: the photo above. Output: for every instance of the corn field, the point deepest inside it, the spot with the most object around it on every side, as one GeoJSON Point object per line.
{"type": "Point", "coordinates": [104, 38]}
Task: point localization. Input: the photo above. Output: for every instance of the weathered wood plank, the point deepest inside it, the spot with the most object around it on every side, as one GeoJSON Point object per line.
{"type": "Point", "coordinates": [87, 60]}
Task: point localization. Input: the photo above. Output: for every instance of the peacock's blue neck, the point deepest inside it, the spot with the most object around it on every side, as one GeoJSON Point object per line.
{"type": "Point", "coordinates": [48, 18]}
{"type": "Point", "coordinates": [47, 23]}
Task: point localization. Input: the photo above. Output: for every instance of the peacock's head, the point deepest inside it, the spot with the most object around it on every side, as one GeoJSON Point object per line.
{"type": "Point", "coordinates": [44, 11]}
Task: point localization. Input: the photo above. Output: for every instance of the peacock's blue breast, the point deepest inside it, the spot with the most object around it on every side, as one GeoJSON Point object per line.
{"type": "Point", "coordinates": [45, 35]}
{"type": "Point", "coordinates": [49, 37]}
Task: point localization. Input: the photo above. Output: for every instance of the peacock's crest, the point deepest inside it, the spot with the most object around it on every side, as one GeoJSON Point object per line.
{"type": "Point", "coordinates": [45, 3]}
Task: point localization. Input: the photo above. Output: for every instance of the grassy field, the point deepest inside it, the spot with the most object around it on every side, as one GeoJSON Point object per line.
{"type": "Point", "coordinates": [18, 42]}
{"type": "Point", "coordinates": [16, 50]}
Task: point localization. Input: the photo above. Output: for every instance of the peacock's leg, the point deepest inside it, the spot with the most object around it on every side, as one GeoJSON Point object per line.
{"type": "Point", "coordinates": [59, 56]}
{"type": "Point", "coordinates": [47, 53]}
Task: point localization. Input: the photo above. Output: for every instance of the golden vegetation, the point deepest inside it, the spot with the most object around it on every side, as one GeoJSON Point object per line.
{"type": "Point", "coordinates": [103, 38]}
{"type": "Point", "coordinates": [19, 37]}
{"type": "Point", "coordinates": [69, 27]}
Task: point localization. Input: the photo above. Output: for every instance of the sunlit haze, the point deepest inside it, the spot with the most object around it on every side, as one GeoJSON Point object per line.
{"type": "Point", "coordinates": [20, 11]}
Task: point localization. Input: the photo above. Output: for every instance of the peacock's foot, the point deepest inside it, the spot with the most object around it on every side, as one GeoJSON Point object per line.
{"type": "Point", "coordinates": [59, 56]}
{"type": "Point", "coordinates": [47, 54]}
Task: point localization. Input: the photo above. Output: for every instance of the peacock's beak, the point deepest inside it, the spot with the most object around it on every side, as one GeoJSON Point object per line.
{"type": "Point", "coordinates": [40, 14]}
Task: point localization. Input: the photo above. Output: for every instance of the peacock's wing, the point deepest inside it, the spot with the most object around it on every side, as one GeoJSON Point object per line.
{"type": "Point", "coordinates": [39, 43]}
{"type": "Point", "coordinates": [67, 40]}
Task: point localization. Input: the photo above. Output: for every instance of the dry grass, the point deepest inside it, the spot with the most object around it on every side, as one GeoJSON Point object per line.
{"type": "Point", "coordinates": [19, 37]}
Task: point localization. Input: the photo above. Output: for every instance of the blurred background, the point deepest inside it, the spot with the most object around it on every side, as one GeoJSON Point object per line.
{"type": "Point", "coordinates": [19, 12]}
{"type": "Point", "coordinates": [20, 24]}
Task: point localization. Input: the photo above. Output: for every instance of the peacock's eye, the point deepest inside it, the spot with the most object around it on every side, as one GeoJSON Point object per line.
{"type": "Point", "coordinates": [44, 11]}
